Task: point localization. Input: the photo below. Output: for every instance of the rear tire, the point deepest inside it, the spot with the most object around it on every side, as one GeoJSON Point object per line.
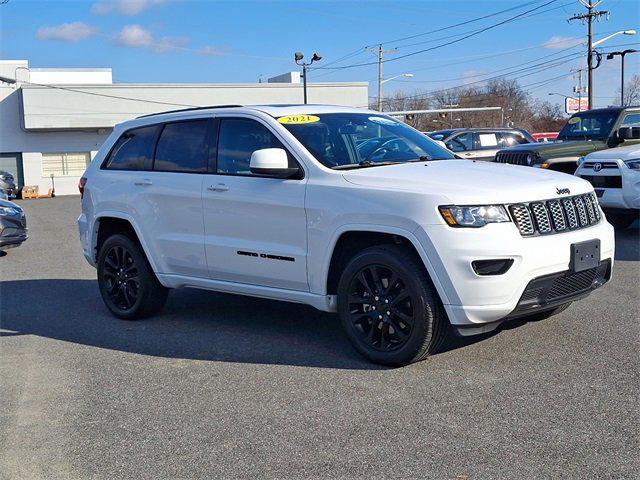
{"type": "Point", "coordinates": [389, 308]}
{"type": "Point", "coordinates": [128, 286]}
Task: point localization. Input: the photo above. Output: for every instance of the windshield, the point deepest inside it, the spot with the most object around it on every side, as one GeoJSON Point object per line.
{"type": "Point", "coordinates": [589, 126]}
{"type": "Point", "coordinates": [352, 140]}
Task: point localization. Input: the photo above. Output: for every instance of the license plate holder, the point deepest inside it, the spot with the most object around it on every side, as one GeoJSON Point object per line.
{"type": "Point", "coordinates": [584, 255]}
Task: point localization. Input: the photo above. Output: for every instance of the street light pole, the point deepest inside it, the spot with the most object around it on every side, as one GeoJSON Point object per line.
{"type": "Point", "coordinates": [622, 54]}
{"type": "Point", "coordinates": [298, 56]}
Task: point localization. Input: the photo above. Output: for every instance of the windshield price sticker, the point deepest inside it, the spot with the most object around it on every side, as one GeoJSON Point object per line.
{"type": "Point", "coordinates": [574, 120]}
{"type": "Point", "coordinates": [298, 119]}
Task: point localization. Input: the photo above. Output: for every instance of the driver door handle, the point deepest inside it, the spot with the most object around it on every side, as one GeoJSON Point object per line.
{"type": "Point", "coordinates": [144, 181]}
{"type": "Point", "coordinates": [220, 187]}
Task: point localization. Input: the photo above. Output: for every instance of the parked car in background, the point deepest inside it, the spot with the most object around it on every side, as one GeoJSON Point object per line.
{"type": "Point", "coordinates": [13, 225]}
{"type": "Point", "coordinates": [584, 133]}
{"type": "Point", "coordinates": [480, 143]}
{"type": "Point", "coordinates": [8, 184]}
{"type": "Point", "coordinates": [344, 209]}
{"type": "Point", "coordinates": [615, 176]}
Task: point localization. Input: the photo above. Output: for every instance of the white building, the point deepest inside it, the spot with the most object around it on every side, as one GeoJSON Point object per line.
{"type": "Point", "coordinates": [53, 120]}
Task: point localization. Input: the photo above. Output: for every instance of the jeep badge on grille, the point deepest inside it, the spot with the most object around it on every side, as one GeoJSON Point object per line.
{"type": "Point", "coordinates": [563, 191]}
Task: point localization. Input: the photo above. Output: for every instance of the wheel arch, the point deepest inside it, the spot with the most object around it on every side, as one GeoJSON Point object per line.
{"type": "Point", "coordinates": [112, 221]}
{"type": "Point", "coordinates": [350, 239]}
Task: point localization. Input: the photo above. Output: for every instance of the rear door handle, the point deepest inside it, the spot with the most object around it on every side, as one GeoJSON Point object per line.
{"type": "Point", "coordinates": [220, 187]}
{"type": "Point", "coordinates": [145, 181]}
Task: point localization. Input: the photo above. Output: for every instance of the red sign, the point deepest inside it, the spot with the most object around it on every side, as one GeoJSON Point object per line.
{"type": "Point", "coordinates": [573, 105]}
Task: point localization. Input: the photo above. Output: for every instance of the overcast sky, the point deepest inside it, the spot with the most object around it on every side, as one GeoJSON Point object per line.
{"type": "Point", "coordinates": [158, 41]}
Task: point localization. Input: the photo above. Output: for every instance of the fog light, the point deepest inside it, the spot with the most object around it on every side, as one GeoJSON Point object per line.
{"type": "Point", "coordinates": [492, 267]}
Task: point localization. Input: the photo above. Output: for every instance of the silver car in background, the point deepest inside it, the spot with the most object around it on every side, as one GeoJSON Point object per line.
{"type": "Point", "coordinates": [481, 143]}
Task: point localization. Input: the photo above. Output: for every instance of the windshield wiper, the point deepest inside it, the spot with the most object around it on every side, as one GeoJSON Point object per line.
{"type": "Point", "coordinates": [363, 164]}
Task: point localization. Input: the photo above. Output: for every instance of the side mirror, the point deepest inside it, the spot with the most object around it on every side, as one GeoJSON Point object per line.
{"type": "Point", "coordinates": [272, 162]}
{"type": "Point", "coordinates": [629, 133]}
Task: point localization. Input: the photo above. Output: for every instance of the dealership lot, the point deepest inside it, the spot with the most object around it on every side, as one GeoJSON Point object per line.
{"type": "Point", "coordinates": [221, 385]}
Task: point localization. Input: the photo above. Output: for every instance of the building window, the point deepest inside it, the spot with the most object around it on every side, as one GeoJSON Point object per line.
{"type": "Point", "coordinates": [65, 164]}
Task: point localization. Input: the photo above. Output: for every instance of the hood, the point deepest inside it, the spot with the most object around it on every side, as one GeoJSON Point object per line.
{"type": "Point", "coordinates": [568, 148]}
{"type": "Point", "coordinates": [470, 182]}
{"type": "Point", "coordinates": [623, 153]}
{"type": "Point", "coordinates": [7, 203]}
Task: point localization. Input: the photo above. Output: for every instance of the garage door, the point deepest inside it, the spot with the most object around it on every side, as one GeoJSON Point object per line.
{"type": "Point", "coordinates": [12, 163]}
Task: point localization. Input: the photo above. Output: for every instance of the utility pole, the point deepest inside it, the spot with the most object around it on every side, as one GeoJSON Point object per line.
{"type": "Point", "coordinates": [380, 53]}
{"type": "Point", "coordinates": [588, 18]}
{"type": "Point", "coordinates": [579, 89]}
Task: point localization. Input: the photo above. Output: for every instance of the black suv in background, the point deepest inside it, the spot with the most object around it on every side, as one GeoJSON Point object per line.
{"type": "Point", "coordinates": [481, 143]}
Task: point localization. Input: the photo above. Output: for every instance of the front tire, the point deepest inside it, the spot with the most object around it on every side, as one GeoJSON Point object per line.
{"type": "Point", "coordinates": [128, 286]}
{"type": "Point", "coordinates": [388, 307]}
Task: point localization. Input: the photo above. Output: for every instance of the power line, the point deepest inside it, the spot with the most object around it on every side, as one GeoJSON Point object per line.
{"type": "Point", "coordinates": [460, 24]}
{"type": "Point", "coordinates": [472, 34]}
{"type": "Point", "coordinates": [457, 87]}
{"type": "Point", "coordinates": [157, 102]}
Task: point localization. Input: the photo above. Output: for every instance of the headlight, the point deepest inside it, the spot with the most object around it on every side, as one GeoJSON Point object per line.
{"type": "Point", "coordinates": [9, 211]}
{"type": "Point", "coordinates": [580, 160]}
{"type": "Point", "coordinates": [633, 164]}
{"type": "Point", "coordinates": [474, 216]}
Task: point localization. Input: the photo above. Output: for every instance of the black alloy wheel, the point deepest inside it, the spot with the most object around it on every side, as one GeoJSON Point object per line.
{"type": "Point", "coordinates": [381, 308]}
{"type": "Point", "coordinates": [128, 285]}
{"type": "Point", "coordinates": [388, 306]}
{"type": "Point", "coordinates": [120, 276]}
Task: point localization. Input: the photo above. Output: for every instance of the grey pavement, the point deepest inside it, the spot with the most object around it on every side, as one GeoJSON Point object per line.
{"type": "Point", "coordinates": [235, 387]}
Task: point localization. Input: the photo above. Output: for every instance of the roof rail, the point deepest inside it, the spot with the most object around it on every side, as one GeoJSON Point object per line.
{"type": "Point", "coordinates": [190, 109]}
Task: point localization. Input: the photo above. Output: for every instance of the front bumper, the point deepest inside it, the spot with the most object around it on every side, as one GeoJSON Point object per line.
{"type": "Point", "coordinates": [471, 300]}
{"type": "Point", "coordinates": [13, 231]}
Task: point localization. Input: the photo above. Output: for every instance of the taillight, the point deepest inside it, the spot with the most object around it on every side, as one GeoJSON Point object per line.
{"type": "Point", "coordinates": [81, 183]}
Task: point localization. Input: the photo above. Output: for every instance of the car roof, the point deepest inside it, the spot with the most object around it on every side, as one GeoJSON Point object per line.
{"type": "Point", "coordinates": [275, 110]}
{"type": "Point", "coordinates": [610, 109]}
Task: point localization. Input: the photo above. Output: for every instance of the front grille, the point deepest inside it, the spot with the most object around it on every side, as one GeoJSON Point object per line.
{"type": "Point", "coordinates": [603, 165]}
{"type": "Point", "coordinates": [514, 158]}
{"type": "Point", "coordinates": [571, 284]}
{"type": "Point", "coordinates": [556, 215]}
{"type": "Point", "coordinates": [603, 181]}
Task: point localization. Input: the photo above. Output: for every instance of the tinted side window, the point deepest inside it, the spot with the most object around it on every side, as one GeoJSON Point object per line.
{"type": "Point", "coordinates": [237, 140]}
{"type": "Point", "coordinates": [461, 142]}
{"type": "Point", "coordinates": [183, 147]}
{"type": "Point", "coordinates": [133, 150]}
{"type": "Point", "coordinates": [507, 139]}
{"type": "Point", "coordinates": [632, 120]}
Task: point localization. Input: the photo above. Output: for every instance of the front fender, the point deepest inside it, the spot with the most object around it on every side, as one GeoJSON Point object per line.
{"type": "Point", "coordinates": [406, 234]}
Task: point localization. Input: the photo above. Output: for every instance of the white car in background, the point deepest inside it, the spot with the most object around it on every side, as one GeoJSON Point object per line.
{"type": "Point", "coordinates": [615, 176]}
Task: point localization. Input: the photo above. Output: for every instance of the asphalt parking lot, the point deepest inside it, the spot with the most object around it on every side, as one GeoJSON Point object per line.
{"type": "Point", "coordinates": [226, 386]}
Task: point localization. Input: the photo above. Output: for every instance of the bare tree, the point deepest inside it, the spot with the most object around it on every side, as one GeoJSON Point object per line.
{"type": "Point", "coordinates": [548, 117]}
{"type": "Point", "coordinates": [631, 91]}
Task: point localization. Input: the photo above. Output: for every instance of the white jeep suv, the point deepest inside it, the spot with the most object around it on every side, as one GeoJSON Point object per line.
{"type": "Point", "coordinates": [343, 209]}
